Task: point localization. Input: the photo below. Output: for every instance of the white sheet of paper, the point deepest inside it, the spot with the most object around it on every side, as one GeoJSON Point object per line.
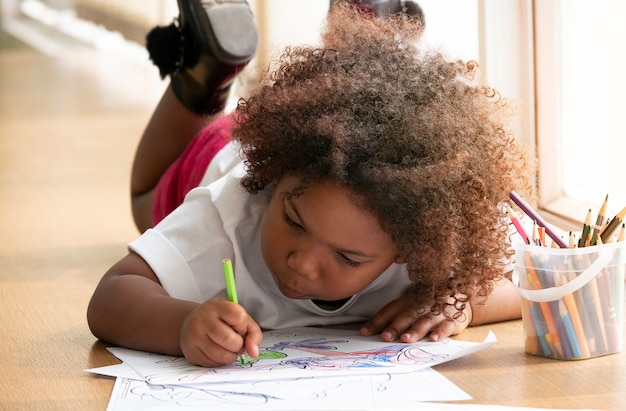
{"type": "Point", "coordinates": [304, 352]}
{"type": "Point", "coordinates": [345, 393]}
{"type": "Point", "coordinates": [362, 393]}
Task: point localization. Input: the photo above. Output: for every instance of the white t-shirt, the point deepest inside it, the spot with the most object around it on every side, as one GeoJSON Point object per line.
{"type": "Point", "coordinates": [221, 220]}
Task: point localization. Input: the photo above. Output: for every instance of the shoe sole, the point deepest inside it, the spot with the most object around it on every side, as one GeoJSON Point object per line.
{"type": "Point", "coordinates": [226, 27]}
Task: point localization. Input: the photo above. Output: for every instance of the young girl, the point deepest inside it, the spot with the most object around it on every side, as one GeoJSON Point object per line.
{"type": "Point", "coordinates": [365, 182]}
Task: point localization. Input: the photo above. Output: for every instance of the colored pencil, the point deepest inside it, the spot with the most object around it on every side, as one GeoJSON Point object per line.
{"type": "Point", "coordinates": [607, 307]}
{"type": "Point", "coordinates": [544, 306]}
{"type": "Point", "coordinates": [526, 208]}
{"type": "Point", "coordinates": [542, 235]}
{"type": "Point", "coordinates": [582, 241]}
{"type": "Point", "coordinates": [572, 309]}
{"type": "Point", "coordinates": [536, 238]}
{"type": "Point", "coordinates": [572, 240]}
{"type": "Point", "coordinates": [599, 221]}
{"type": "Point", "coordinates": [517, 224]}
{"type": "Point", "coordinates": [541, 336]}
{"type": "Point", "coordinates": [594, 305]}
{"type": "Point", "coordinates": [608, 231]}
{"type": "Point", "coordinates": [569, 330]}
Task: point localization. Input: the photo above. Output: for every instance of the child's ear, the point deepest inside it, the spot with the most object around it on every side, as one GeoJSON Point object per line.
{"type": "Point", "coordinates": [399, 260]}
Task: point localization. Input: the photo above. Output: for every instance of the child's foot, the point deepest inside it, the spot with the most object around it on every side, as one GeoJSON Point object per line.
{"type": "Point", "coordinates": [212, 42]}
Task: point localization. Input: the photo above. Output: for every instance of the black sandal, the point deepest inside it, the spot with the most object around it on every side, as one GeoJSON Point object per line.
{"type": "Point", "coordinates": [211, 42]}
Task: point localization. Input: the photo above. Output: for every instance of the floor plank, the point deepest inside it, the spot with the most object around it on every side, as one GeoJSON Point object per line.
{"type": "Point", "coordinates": [69, 124]}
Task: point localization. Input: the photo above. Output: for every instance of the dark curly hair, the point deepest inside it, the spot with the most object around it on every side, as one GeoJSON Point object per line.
{"type": "Point", "coordinates": [408, 134]}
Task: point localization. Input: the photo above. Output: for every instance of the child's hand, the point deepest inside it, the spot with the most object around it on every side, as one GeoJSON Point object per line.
{"type": "Point", "coordinates": [398, 320]}
{"type": "Point", "coordinates": [217, 331]}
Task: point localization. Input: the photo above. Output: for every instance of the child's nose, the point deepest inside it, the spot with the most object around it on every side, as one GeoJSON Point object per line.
{"type": "Point", "coordinates": [304, 262]}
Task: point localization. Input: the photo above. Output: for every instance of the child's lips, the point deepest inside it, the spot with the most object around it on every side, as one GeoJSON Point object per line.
{"type": "Point", "coordinates": [290, 292]}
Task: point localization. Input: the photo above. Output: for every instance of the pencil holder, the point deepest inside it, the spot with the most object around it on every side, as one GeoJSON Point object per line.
{"type": "Point", "coordinates": [572, 299]}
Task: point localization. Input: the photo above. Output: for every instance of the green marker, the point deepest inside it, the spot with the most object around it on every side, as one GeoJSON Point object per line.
{"type": "Point", "coordinates": [231, 290]}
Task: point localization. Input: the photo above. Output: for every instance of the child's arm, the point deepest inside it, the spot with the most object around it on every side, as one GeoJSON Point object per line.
{"type": "Point", "coordinates": [504, 303]}
{"type": "Point", "coordinates": [398, 320]}
{"type": "Point", "coordinates": [131, 308]}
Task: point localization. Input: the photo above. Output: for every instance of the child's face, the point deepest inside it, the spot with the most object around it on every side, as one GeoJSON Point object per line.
{"type": "Point", "coordinates": [320, 245]}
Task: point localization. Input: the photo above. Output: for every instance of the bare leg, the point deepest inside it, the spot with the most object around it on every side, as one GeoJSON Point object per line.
{"type": "Point", "coordinates": [201, 76]}
{"type": "Point", "coordinates": [170, 129]}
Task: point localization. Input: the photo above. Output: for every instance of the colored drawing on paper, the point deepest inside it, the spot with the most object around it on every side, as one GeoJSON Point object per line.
{"type": "Point", "coordinates": [329, 357]}
{"type": "Point", "coordinates": [302, 353]}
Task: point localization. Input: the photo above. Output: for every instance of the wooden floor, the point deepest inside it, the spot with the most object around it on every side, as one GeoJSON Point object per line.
{"type": "Point", "coordinates": [69, 124]}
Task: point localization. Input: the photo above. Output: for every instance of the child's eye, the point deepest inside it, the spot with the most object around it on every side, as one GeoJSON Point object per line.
{"type": "Point", "coordinates": [290, 222]}
{"type": "Point", "coordinates": [344, 259]}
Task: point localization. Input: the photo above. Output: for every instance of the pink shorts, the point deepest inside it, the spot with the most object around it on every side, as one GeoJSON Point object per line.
{"type": "Point", "coordinates": [187, 171]}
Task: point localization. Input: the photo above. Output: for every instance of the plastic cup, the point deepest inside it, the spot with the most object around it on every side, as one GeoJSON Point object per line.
{"type": "Point", "coordinates": [572, 299]}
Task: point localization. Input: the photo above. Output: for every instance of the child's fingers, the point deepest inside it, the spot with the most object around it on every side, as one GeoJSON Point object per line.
{"type": "Point", "coordinates": [397, 321]}
{"type": "Point", "coordinates": [407, 326]}
{"type": "Point", "coordinates": [383, 318]}
{"type": "Point", "coordinates": [227, 336]}
{"type": "Point", "coordinates": [253, 339]}
{"type": "Point", "coordinates": [245, 327]}
{"type": "Point", "coordinates": [209, 348]}
{"type": "Point", "coordinates": [209, 354]}
{"type": "Point", "coordinates": [445, 329]}
{"type": "Point", "coordinates": [418, 329]}
{"type": "Point", "coordinates": [235, 316]}
{"type": "Point", "coordinates": [214, 333]}
{"type": "Point", "coordinates": [438, 327]}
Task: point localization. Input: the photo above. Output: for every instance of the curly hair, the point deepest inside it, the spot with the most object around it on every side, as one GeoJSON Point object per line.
{"type": "Point", "coordinates": [408, 133]}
